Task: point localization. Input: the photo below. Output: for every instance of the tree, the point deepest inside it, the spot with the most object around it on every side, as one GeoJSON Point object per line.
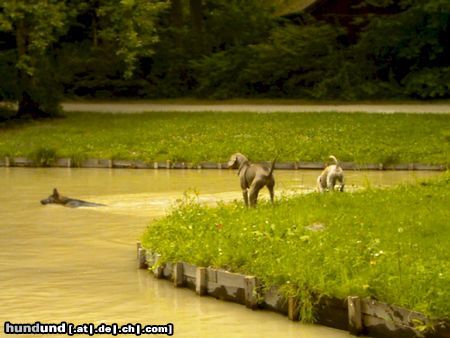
{"type": "Point", "coordinates": [127, 26]}
{"type": "Point", "coordinates": [36, 25]}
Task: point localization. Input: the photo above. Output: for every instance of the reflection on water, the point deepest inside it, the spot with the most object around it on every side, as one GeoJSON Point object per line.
{"type": "Point", "coordinates": [78, 265]}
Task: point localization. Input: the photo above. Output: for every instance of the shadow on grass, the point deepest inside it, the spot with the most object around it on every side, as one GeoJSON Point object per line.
{"type": "Point", "coordinates": [9, 119]}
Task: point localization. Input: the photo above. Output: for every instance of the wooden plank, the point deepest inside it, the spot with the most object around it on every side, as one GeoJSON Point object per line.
{"type": "Point", "coordinates": [251, 296]}
{"type": "Point", "coordinates": [161, 165]}
{"type": "Point", "coordinates": [211, 275]}
{"type": "Point", "coordinates": [370, 166]}
{"type": "Point", "coordinates": [228, 293]}
{"type": "Point", "coordinates": [274, 301]}
{"type": "Point", "coordinates": [348, 165]}
{"type": "Point", "coordinates": [201, 281]}
{"type": "Point", "coordinates": [22, 162]}
{"type": "Point", "coordinates": [62, 163]}
{"type": "Point", "coordinates": [167, 271]}
{"type": "Point", "coordinates": [355, 326]}
{"type": "Point", "coordinates": [208, 165]}
{"type": "Point", "coordinates": [332, 312]}
{"type": "Point", "coordinates": [436, 167]}
{"type": "Point", "coordinates": [284, 165]}
{"type": "Point", "coordinates": [189, 283]}
{"type": "Point", "coordinates": [311, 165]}
{"type": "Point", "coordinates": [179, 165]}
{"type": "Point", "coordinates": [140, 165]}
{"type": "Point", "coordinates": [189, 270]}
{"type": "Point", "coordinates": [122, 164]}
{"type": "Point", "coordinates": [391, 313]}
{"type": "Point", "coordinates": [396, 166]}
{"type": "Point", "coordinates": [230, 279]}
{"type": "Point", "coordinates": [377, 327]}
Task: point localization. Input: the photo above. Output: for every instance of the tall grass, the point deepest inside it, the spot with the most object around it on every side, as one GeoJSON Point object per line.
{"type": "Point", "coordinates": [195, 137]}
{"type": "Point", "coordinates": [390, 244]}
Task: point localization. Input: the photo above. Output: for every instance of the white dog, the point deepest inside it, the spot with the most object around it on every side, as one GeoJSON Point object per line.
{"type": "Point", "coordinates": [329, 176]}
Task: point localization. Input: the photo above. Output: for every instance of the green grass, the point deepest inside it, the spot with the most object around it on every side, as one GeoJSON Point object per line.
{"type": "Point", "coordinates": [195, 137]}
{"type": "Point", "coordinates": [390, 244]}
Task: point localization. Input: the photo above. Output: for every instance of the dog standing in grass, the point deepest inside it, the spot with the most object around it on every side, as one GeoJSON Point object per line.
{"type": "Point", "coordinates": [253, 177]}
{"type": "Point", "coordinates": [330, 176]}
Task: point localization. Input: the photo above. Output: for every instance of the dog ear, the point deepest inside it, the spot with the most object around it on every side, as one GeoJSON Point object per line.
{"type": "Point", "coordinates": [232, 160]}
{"type": "Point", "coordinates": [55, 192]}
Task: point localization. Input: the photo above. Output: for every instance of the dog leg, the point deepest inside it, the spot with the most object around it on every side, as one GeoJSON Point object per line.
{"type": "Point", "coordinates": [245, 195]}
{"type": "Point", "coordinates": [320, 184]}
{"type": "Point", "coordinates": [341, 188]}
{"type": "Point", "coordinates": [331, 182]}
{"type": "Point", "coordinates": [270, 187]}
{"type": "Point", "coordinates": [254, 191]}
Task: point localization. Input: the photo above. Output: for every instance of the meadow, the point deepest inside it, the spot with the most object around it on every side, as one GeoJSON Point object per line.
{"type": "Point", "coordinates": [389, 244]}
{"type": "Point", "coordinates": [195, 137]}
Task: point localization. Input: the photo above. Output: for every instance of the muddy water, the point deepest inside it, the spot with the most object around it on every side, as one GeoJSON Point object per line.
{"type": "Point", "coordinates": [78, 265]}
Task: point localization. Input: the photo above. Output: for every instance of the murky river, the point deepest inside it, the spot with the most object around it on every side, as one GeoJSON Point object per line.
{"type": "Point", "coordinates": [78, 265]}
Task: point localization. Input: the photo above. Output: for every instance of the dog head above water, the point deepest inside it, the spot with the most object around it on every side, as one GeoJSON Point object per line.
{"type": "Point", "coordinates": [54, 198]}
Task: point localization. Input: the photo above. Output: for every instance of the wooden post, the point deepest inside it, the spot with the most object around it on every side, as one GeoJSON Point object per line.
{"type": "Point", "coordinates": [355, 325]}
{"type": "Point", "coordinates": [167, 164]}
{"type": "Point", "coordinates": [158, 271]}
{"type": "Point", "coordinates": [155, 165]}
{"type": "Point", "coordinates": [142, 263]}
{"type": "Point", "coordinates": [293, 308]}
{"type": "Point", "coordinates": [251, 298]}
{"type": "Point", "coordinates": [201, 281]}
{"type": "Point", "coordinates": [178, 275]}
{"type": "Point", "coordinates": [138, 246]}
{"type": "Point", "coordinates": [7, 162]}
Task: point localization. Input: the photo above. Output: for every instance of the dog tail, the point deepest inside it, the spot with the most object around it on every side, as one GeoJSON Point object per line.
{"type": "Point", "coordinates": [272, 166]}
{"type": "Point", "coordinates": [334, 159]}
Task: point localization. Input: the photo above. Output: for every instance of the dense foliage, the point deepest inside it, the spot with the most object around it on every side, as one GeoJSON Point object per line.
{"type": "Point", "coordinates": [222, 49]}
{"type": "Point", "coordinates": [394, 248]}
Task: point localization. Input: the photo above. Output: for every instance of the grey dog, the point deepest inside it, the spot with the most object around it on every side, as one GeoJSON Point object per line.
{"type": "Point", "coordinates": [252, 178]}
{"type": "Point", "coordinates": [330, 176]}
{"type": "Point", "coordinates": [56, 198]}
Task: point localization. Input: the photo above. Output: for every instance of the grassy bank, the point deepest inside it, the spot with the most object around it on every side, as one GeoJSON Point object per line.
{"type": "Point", "coordinates": [194, 137]}
{"type": "Point", "coordinates": [388, 244]}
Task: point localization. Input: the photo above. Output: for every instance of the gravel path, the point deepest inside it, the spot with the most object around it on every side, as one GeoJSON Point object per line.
{"type": "Point", "coordinates": [261, 108]}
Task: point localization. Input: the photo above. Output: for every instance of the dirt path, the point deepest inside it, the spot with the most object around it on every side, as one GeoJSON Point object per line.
{"type": "Point", "coordinates": [135, 107]}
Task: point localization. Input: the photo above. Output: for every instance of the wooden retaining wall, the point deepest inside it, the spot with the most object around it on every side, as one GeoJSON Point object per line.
{"type": "Point", "coordinates": [107, 163]}
{"type": "Point", "coordinates": [360, 316]}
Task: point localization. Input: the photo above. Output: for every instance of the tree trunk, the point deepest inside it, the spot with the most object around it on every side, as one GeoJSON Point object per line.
{"type": "Point", "coordinates": [176, 13]}
{"type": "Point", "coordinates": [28, 107]}
{"type": "Point", "coordinates": [195, 8]}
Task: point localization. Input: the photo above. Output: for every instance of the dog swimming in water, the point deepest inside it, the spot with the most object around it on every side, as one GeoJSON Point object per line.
{"type": "Point", "coordinates": [56, 198]}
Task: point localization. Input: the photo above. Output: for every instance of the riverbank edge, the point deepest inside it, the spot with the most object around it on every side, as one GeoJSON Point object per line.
{"type": "Point", "coordinates": [137, 164]}
{"type": "Point", "coordinates": [359, 316]}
